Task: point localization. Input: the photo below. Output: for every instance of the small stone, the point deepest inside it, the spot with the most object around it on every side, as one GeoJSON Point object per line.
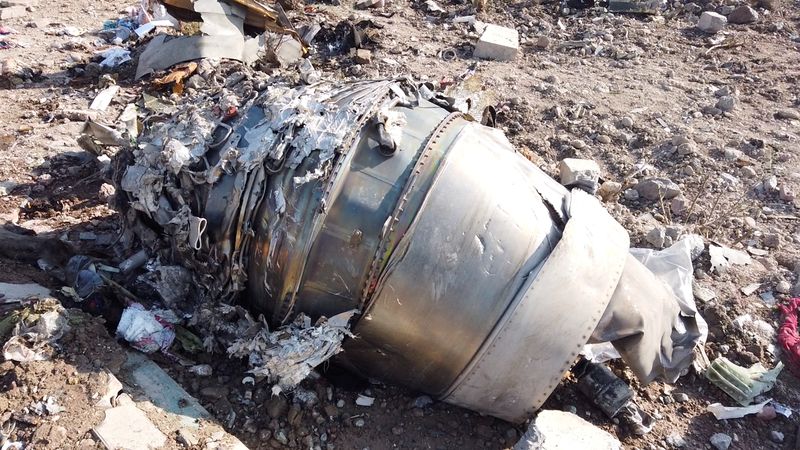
{"type": "Point", "coordinates": [711, 22]}
{"type": "Point", "coordinates": [359, 423]}
{"type": "Point", "coordinates": [542, 42]}
{"type": "Point", "coordinates": [6, 187]}
{"type": "Point", "coordinates": [277, 406]}
{"type": "Point", "coordinates": [280, 436]}
{"type": "Point", "coordinates": [423, 401]}
{"type": "Point", "coordinates": [783, 287]}
{"type": "Point", "coordinates": [187, 438]}
{"type": "Point", "coordinates": [743, 15]}
{"type": "Point", "coordinates": [363, 56]}
{"type": "Point", "coordinates": [579, 144]}
{"type": "Point", "coordinates": [582, 173]}
{"type": "Point", "coordinates": [609, 190]}
{"type": "Point", "coordinates": [214, 392]}
{"type": "Point", "coordinates": [732, 154]}
{"type": "Point", "coordinates": [767, 413]}
{"type": "Point", "coordinates": [626, 122]}
{"type": "Point", "coordinates": [631, 194]}
{"type": "Point", "coordinates": [676, 440]}
{"type": "Point", "coordinates": [726, 103]}
{"type": "Point", "coordinates": [398, 431]}
{"type": "Point", "coordinates": [12, 12]}
{"type": "Point", "coordinates": [770, 184]}
{"type": "Point", "coordinates": [786, 194]}
{"type": "Point", "coordinates": [720, 441]}
{"type": "Point", "coordinates": [680, 398]}
{"type": "Point", "coordinates": [679, 205]}
{"type": "Point", "coordinates": [57, 436]}
{"type": "Point", "coordinates": [497, 43]}
{"type": "Point", "coordinates": [656, 236]}
{"type": "Point", "coordinates": [772, 240]}
{"type": "Point", "coordinates": [748, 172]}
{"type": "Point", "coordinates": [776, 436]}
{"type": "Point", "coordinates": [788, 114]}
{"type": "Point", "coordinates": [603, 139]}
{"type": "Point", "coordinates": [655, 188]}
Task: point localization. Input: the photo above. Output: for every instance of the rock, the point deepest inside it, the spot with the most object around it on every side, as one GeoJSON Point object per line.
{"type": "Point", "coordinates": [679, 205]}
{"type": "Point", "coordinates": [772, 240]}
{"type": "Point", "coordinates": [277, 406]}
{"type": "Point", "coordinates": [783, 287]}
{"type": "Point", "coordinates": [6, 187]}
{"type": "Point", "coordinates": [770, 184]}
{"type": "Point", "coordinates": [13, 12]}
{"type": "Point", "coordinates": [748, 172]}
{"type": "Point", "coordinates": [726, 103]}
{"type": "Point", "coordinates": [57, 436]}
{"type": "Point", "coordinates": [692, 8]}
{"type": "Point", "coordinates": [609, 190]}
{"type": "Point", "coordinates": [578, 143]}
{"type": "Point", "coordinates": [603, 139]}
{"type": "Point", "coordinates": [398, 431]}
{"type": "Point", "coordinates": [655, 188]}
{"type": "Point", "coordinates": [788, 114]}
{"type": "Point", "coordinates": [582, 173]}
{"type": "Point", "coordinates": [656, 236]}
{"type": "Point", "coordinates": [187, 438]}
{"type": "Point", "coordinates": [359, 423]}
{"type": "Point", "coordinates": [422, 401]}
{"type": "Point", "coordinates": [626, 122]}
{"type": "Point", "coordinates": [720, 441]}
{"type": "Point", "coordinates": [776, 436]}
{"type": "Point", "coordinates": [742, 15]}
{"type": "Point", "coordinates": [680, 398]}
{"type": "Point", "coordinates": [767, 413]}
{"type": "Point", "coordinates": [675, 439]}
{"type": "Point", "coordinates": [786, 194]}
{"type": "Point", "coordinates": [214, 392]}
{"type": "Point", "coordinates": [542, 42]}
{"type": "Point", "coordinates": [631, 194]}
{"type": "Point", "coordinates": [497, 43]}
{"type": "Point", "coordinates": [363, 56]}
{"type": "Point", "coordinates": [562, 430]}
{"type": "Point", "coordinates": [711, 22]}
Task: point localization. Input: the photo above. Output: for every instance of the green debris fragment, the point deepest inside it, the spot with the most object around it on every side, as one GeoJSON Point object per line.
{"type": "Point", "coordinates": [188, 340]}
{"type": "Point", "coordinates": [743, 385]}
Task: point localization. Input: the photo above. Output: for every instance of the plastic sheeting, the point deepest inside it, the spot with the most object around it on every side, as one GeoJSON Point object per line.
{"type": "Point", "coordinates": [652, 320]}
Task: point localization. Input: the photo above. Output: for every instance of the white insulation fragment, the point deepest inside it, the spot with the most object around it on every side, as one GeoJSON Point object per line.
{"type": "Point", "coordinates": [288, 355]}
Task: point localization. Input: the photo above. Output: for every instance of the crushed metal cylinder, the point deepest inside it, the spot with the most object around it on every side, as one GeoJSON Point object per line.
{"type": "Point", "coordinates": [473, 275]}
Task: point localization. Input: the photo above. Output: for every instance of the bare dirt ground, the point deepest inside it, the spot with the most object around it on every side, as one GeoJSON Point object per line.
{"type": "Point", "coordinates": [637, 94]}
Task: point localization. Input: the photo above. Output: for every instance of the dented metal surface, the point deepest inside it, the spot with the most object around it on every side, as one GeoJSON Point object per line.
{"type": "Point", "coordinates": [474, 276]}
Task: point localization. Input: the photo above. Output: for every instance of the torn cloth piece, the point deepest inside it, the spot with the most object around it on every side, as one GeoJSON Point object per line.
{"type": "Point", "coordinates": [788, 337]}
{"type": "Point", "coordinates": [147, 331]}
{"type": "Point", "coordinates": [288, 355]}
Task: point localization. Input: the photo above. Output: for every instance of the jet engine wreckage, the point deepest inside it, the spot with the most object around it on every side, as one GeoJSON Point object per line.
{"type": "Point", "coordinates": [421, 244]}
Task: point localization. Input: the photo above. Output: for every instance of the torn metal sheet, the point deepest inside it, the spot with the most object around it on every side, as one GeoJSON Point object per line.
{"type": "Point", "coordinates": [220, 19]}
{"type": "Point", "coordinates": [162, 53]}
{"type": "Point", "coordinates": [103, 99]}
